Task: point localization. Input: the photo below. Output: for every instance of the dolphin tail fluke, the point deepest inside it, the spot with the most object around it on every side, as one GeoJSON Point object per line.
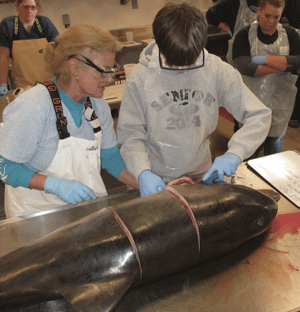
{"type": "Point", "coordinates": [101, 296]}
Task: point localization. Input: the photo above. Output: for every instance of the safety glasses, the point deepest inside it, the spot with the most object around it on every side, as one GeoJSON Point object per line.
{"type": "Point", "coordinates": [27, 7]}
{"type": "Point", "coordinates": [105, 71]}
{"type": "Point", "coordinates": [199, 63]}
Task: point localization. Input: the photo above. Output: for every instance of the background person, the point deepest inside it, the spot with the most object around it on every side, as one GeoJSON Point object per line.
{"type": "Point", "coordinates": [229, 14]}
{"type": "Point", "coordinates": [23, 38]}
{"type": "Point", "coordinates": [233, 15]}
{"type": "Point", "coordinates": [50, 149]}
{"type": "Point", "coordinates": [171, 105]}
{"type": "Point", "coordinates": [267, 53]}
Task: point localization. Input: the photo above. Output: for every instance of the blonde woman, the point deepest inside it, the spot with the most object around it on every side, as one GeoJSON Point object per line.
{"type": "Point", "coordinates": [57, 136]}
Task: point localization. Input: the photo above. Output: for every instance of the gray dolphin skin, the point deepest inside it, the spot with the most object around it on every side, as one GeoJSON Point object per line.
{"type": "Point", "coordinates": [92, 262]}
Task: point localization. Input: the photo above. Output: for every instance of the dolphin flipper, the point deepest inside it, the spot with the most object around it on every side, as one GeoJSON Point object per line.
{"type": "Point", "coordinates": [103, 296]}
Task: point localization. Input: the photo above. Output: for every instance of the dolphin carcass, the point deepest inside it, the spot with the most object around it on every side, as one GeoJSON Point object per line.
{"type": "Point", "coordinates": [95, 260]}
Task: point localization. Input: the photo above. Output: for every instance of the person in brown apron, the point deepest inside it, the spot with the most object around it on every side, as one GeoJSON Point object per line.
{"type": "Point", "coordinates": [23, 38]}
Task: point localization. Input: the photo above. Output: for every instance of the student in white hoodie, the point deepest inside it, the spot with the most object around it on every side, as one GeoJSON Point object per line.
{"type": "Point", "coordinates": [171, 105]}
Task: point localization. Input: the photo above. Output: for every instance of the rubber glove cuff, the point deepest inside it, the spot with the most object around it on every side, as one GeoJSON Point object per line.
{"type": "Point", "coordinates": [51, 184]}
{"type": "Point", "coordinates": [259, 59]}
{"type": "Point", "coordinates": [232, 157]}
{"type": "Point", "coordinates": [150, 183]}
{"type": "Point", "coordinates": [223, 165]}
{"type": "Point", "coordinates": [3, 88]}
{"type": "Point", "coordinates": [281, 72]}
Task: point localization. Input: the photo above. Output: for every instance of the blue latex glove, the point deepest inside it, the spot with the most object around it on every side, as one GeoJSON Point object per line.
{"type": "Point", "coordinates": [3, 88]}
{"type": "Point", "coordinates": [259, 59]}
{"type": "Point", "coordinates": [70, 191]}
{"type": "Point", "coordinates": [280, 72]}
{"type": "Point", "coordinates": [223, 165]}
{"type": "Point", "coordinates": [150, 183]}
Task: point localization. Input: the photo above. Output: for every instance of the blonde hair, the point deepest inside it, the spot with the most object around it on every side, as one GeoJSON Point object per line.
{"type": "Point", "coordinates": [75, 40]}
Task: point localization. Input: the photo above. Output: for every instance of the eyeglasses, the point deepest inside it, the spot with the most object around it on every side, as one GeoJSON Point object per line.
{"type": "Point", "coordinates": [199, 63]}
{"type": "Point", "coordinates": [253, 8]}
{"type": "Point", "coordinates": [105, 71]}
{"type": "Point", "coordinates": [27, 7]}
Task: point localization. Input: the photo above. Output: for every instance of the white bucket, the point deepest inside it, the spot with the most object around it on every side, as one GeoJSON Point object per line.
{"type": "Point", "coordinates": [128, 69]}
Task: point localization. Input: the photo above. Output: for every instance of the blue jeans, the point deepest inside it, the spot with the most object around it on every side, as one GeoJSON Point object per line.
{"type": "Point", "coordinates": [272, 145]}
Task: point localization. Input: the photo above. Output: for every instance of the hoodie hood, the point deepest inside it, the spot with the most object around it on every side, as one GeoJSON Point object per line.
{"type": "Point", "coordinates": [150, 55]}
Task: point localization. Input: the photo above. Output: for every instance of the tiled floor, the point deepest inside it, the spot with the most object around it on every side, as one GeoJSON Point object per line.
{"type": "Point", "coordinates": [219, 140]}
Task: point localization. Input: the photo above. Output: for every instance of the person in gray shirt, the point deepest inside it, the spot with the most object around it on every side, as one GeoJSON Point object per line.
{"type": "Point", "coordinates": [171, 105]}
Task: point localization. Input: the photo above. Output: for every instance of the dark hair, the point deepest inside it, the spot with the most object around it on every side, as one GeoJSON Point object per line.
{"type": "Point", "coordinates": [180, 32]}
{"type": "Point", "coordinates": [275, 3]}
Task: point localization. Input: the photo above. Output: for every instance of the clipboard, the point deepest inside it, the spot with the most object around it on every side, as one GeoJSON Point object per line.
{"type": "Point", "coordinates": [282, 171]}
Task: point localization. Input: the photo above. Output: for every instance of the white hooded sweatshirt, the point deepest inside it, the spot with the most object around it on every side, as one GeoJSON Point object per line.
{"type": "Point", "coordinates": [166, 116]}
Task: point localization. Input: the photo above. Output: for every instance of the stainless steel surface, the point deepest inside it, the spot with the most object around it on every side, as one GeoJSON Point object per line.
{"type": "Point", "coordinates": [282, 171]}
{"type": "Point", "coordinates": [18, 232]}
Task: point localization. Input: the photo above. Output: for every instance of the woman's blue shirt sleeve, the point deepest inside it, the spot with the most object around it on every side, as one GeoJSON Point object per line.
{"type": "Point", "coordinates": [112, 161]}
{"type": "Point", "coordinates": [15, 174]}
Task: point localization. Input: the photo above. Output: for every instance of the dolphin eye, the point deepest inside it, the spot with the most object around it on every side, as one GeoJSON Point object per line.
{"type": "Point", "coordinates": [257, 223]}
{"type": "Point", "coordinates": [261, 221]}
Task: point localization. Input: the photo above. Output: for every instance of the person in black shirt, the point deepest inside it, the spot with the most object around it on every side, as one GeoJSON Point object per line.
{"type": "Point", "coordinates": [232, 15]}
{"type": "Point", "coordinates": [267, 53]}
{"type": "Point", "coordinates": [226, 12]}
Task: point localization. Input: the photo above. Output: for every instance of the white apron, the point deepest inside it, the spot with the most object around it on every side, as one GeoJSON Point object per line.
{"type": "Point", "coordinates": [245, 17]}
{"type": "Point", "coordinates": [278, 92]}
{"type": "Point", "coordinates": [76, 159]}
{"type": "Point", "coordinates": [178, 130]}
{"type": "Point", "coordinates": [28, 64]}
